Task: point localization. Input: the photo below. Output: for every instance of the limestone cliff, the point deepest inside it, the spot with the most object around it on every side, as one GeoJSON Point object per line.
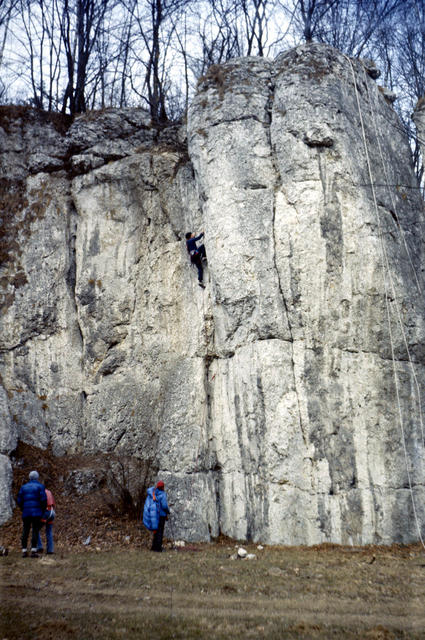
{"type": "Point", "coordinates": [284, 402]}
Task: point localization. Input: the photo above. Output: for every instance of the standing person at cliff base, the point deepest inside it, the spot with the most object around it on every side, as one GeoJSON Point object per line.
{"type": "Point", "coordinates": [155, 513]}
{"type": "Point", "coordinates": [47, 521]}
{"type": "Point", "coordinates": [197, 254]}
{"type": "Point", "coordinates": [32, 500]}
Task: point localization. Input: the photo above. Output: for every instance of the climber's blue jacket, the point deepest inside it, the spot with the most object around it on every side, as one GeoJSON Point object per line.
{"type": "Point", "coordinates": [156, 505]}
{"type": "Point", "coordinates": [32, 499]}
{"type": "Point", "coordinates": [191, 243]}
{"type": "Point", "coordinates": [161, 496]}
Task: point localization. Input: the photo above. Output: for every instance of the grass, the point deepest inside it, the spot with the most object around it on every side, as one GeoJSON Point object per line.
{"type": "Point", "coordinates": [200, 592]}
{"type": "Point", "coordinates": [116, 588]}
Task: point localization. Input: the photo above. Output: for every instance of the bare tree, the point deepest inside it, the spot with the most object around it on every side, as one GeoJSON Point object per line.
{"type": "Point", "coordinates": [32, 43]}
{"type": "Point", "coordinates": [347, 25]}
{"type": "Point", "coordinates": [120, 77]}
{"type": "Point", "coordinates": [37, 49]}
{"type": "Point", "coordinates": [154, 26]}
{"type": "Point", "coordinates": [255, 17]}
{"type": "Point", "coordinates": [409, 71]}
{"type": "Point", "coordinates": [81, 24]}
{"type": "Point", "coordinates": [51, 46]}
{"type": "Point", "coordinates": [8, 8]}
{"type": "Point", "coordinates": [219, 35]}
{"type": "Point", "coordinates": [307, 15]}
{"type": "Point", "coordinates": [353, 26]}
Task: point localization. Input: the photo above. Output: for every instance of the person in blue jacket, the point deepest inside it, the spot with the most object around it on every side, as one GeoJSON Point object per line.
{"type": "Point", "coordinates": [163, 511]}
{"type": "Point", "coordinates": [32, 501]}
{"type": "Point", "coordinates": [197, 254]}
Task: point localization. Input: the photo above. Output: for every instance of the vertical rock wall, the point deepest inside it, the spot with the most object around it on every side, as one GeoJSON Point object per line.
{"type": "Point", "coordinates": [316, 285]}
{"type": "Point", "coordinates": [275, 404]}
{"type": "Point", "coordinates": [102, 343]}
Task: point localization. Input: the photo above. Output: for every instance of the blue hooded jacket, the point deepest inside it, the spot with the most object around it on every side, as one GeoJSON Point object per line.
{"type": "Point", "coordinates": [32, 499]}
{"type": "Point", "coordinates": [161, 496]}
{"type": "Point", "coordinates": [156, 505]}
{"type": "Point", "coordinates": [191, 243]}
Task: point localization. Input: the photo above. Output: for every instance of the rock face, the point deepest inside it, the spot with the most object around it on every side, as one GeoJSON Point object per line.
{"type": "Point", "coordinates": [284, 402]}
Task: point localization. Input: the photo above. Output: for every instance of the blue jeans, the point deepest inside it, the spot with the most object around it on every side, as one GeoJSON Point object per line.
{"type": "Point", "coordinates": [49, 538]}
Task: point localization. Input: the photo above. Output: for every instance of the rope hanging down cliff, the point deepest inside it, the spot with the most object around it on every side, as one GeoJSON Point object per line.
{"type": "Point", "coordinates": [401, 232]}
{"type": "Point", "coordinates": [387, 273]}
{"type": "Point", "coordinates": [387, 185]}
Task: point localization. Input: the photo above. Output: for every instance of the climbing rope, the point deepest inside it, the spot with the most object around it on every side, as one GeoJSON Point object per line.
{"type": "Point", "coordinates": [387, 182]}
{"type": "Point", "coordinates": [385, 265]}
{"type": "Point", "coordinates": [400, 320]}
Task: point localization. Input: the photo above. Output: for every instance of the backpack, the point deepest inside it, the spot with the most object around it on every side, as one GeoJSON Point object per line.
{"type": "Point", "coordinates": [49, 514]}
{"type": "Point", "coordinates": [151, 512]}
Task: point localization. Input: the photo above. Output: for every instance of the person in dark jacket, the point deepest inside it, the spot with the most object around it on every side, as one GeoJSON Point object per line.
{"type": "Point", "coordinates": [161, 498]}
{"type": "Point", "coordinates": [32, 501]}
{"type": "Point", "coordinates": [197, 254]}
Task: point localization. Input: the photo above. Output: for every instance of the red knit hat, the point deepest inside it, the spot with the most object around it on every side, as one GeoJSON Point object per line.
{"type": "Point", "coordinates": [160, 485]}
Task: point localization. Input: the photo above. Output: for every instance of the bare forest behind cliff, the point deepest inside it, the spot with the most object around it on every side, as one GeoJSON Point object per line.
{"type": "Point", "coordinates": [71, 56]}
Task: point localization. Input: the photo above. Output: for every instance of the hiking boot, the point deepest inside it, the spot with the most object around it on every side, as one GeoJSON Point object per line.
{"type": "Point", "coordinates": [34, 554]}
{"type": "Point", "coordinates": [201, 284]}
{"type": "Point", "coordinates": [25, 554]}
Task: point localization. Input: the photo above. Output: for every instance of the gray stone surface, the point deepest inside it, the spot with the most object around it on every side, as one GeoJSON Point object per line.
{"type": "Point", "coordinates": [275, 404]}
{"type": "Point", "coordinates": [6, 500]}
{"type": "Point", "coordinates": [80, 482]}
{"type": "Point", "coordinates": [8, 430]}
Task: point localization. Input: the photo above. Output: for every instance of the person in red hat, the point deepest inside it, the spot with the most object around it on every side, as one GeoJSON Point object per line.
{"type": "Point", "coordinates": [161, 499]}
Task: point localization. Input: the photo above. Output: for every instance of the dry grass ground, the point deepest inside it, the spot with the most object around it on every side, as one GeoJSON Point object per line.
{"type": "Point", "coordinates": [116, 588]}
{"type": "Point", "coordinates": [200, 592]}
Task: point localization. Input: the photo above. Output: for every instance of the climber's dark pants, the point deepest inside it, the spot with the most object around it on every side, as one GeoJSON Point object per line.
{"type": "Point", "coordinates": [158, 535]}
{"type": "Point", "coordinates": [197, 261]}
{"type": "Point", "coordinates": [28, 522]}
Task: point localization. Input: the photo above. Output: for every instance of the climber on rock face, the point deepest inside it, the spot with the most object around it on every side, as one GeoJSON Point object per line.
{"type": "Point", "coordinates": [197, 254]}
